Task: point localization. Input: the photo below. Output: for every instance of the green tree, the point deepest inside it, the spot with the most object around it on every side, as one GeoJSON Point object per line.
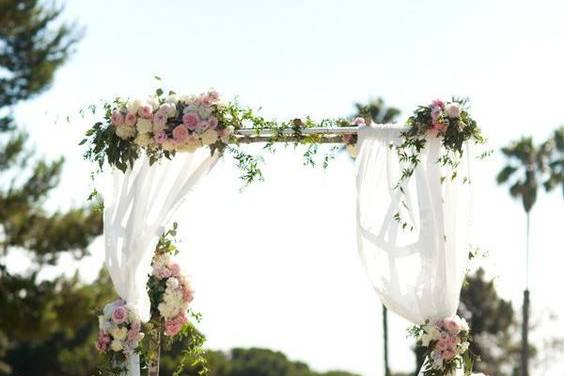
{"type": "Point", "coordinates": [378, 112]}
{"type": "Point", "coordinates": [493, 324]}
{"type": "Point", "coordinates": [33, 45]}
{"type": "Point", "coordinates": [245, 362]}
{"type": "Point", "coordinates": [528, 167]}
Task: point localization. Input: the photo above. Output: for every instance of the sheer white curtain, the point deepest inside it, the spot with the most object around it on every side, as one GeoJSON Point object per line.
{"type": "Point", "coordinates": [137, 206]}
{"type": "Point", "coordinates": [417, 274]}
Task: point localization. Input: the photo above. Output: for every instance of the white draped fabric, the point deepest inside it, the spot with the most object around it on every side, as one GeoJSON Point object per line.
{"type": "Point", "coordinates": [417, 274]}
{"type": "Point", "coordinates": [137, 205]}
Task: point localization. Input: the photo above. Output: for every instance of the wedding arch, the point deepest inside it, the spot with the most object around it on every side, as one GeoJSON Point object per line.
{"type": "Point", "coordinates": [413, 211]}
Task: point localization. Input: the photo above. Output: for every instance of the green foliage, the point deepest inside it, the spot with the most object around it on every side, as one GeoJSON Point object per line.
{"type": "Point", "coordinates": [246, 362]}
{"type": "Point", "coordinates": [529, 166]}
{"type": "Point", "coordinates": [33, 45]}
{"type": "Point", "coordinates": [493, 324]}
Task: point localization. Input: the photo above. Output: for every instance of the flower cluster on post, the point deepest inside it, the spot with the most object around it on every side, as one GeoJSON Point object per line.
{"type": "Point", "coordinates": [119, 329]}
{"type": "Point", "coordinates": [445, 344]}
{"type": "Point", "coordinates": [175, 293]}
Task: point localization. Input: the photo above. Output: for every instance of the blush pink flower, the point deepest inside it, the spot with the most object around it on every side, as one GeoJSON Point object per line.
{"type": "Point", "coordinates": [203, 125]}
{"type": "Point", "coordinates": [448, 354]}
{"type": "Point", "coordinates": [173, 326]}
{"type": "Point", "coordinates": [359, 121]}
{"type": "Point", "coordinates": [213, 122]}
{"type": "Point", "coordinates": [347, 138]}
{"type": "Point", "coordinates": [174, 269]}
{"type": "Point", "coordinates": [187, 293]}
{"type": "Point", "coordinates": [437, 103]}
{"type": "Point", "coordinates": [159, 119]}
{"type": "Point", "coordinates": [442, 344]}
{"type": "Point", "coordinates": [130, 119]}
{"type": "Point", "coordinates": [146, 111]}
{"type": "Point", "coordinates": [160, 137]}
{"type": "Point", "coordinates": [180, 133]}
{"type": "Point", "coordinates": [438, 128]}
{"type": "Point", "coordinates": [117, 118]}
{"type": "Point", "coordinates": [119, 314]}
{"type": "Point", "coordinates": [452, 326]}
{"type": "Point", "coordinates": [134, 335]}
{"type": "Point", "coordinates": [103, 342]}
{"type": "Point", "coordinates": [213, 96]}
{"type": "Point", "coordinates": [191, 120]}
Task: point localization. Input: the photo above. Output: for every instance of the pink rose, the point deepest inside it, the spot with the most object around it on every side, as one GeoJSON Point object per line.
{"type": "Point", "coordinates": [442, 344]}
{"type": "Point", "coordinates": [119, 314]}
{"type": "Point", "coordinates": [146, 111]}
{"type": "Point", "coordinates": [117, 118]}
{"type": "Point", "coordinates": [160, 137]}
{"type": "Point", "coordinates": [437, 103]}
{"type": "Point", "coordinates": [438, 128]}
{"type": "Point", "coordinates": [159, 119]}
{"type": "Point", "coordinates": [213, 122]}
{"type": "Point", "coordinates": [130, 119]}
{"type": "Point", "coordinates": [187, 293]}
{"type": "Point", "coordinates": [134, 335]}
{"type": "Point", "coordinates": [213, 96]}
{"type": "Point", "coordinates": [203, 125]}
{"type": "Point", "coordinates": [191, 120]}
{"type": "Point", "coordinates": [452, 326]}
{"type": "Point", "coordinates": [180, 133]}
{"type": "Point", "coordinates": [448, 354]}
{"type": "Point", "coordinates": [359, 121]}
{"type": "Point", "coordinates": [174, 269]}
{"type": "Point", "coordinates": [173, 326]}
{"type": "Point", "coordinates": [102, 342]}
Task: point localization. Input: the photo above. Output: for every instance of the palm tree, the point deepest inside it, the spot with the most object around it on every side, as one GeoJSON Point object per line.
{"type": "Point", "coordinates": [528, 167]}
{"type": "Point", "coordinates": [377, 112]}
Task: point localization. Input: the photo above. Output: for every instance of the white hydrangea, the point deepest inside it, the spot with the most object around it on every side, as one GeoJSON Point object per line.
{"type": "Point", "coordinates": [431, 334]}
{"type": "Point", "coordinates": [143, 139]}
{"type": "Point", "coordinates": [209, 137]}
{"type": "Point", "coordinates": [125, 132]}
{"type": "Point", "coordinates": [144, 125]}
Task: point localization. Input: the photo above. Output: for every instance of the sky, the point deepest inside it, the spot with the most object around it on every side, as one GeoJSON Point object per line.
{"type": "Point", "coordinates": [276, 265]}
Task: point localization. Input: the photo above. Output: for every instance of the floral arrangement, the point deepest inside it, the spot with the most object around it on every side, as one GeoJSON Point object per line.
{"type": "Point", "coordinates": [445, 344]}
{"type": "Point", "coordinates": [175, 293]}
{"type": "Point", "coordinates": [120, 330]}
{"type": "Point", "coordinates": [449, 121]}
{"type": "Point", "coordinates": [350, 140]}
{"type": "Point", "coordinates": [160, 126]}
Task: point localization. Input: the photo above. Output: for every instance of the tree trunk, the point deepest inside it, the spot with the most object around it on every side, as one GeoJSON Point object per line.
{"type": "Point", "coordinates": [155, 345]}
{"type": "Point", "coordinates": [525, 328]}
{"type": "Point", "coordinates": [385, 326]}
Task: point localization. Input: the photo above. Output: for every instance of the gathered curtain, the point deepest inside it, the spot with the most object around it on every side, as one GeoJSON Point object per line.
{"type": "Point", "coordinates": [137, 205]}
{"type": "Point", "coordinates": [414, 242]}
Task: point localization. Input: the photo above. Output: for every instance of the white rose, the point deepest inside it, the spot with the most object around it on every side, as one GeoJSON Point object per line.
{"type": "Point", "coordinates": [209, 137]}
{"type": "Point", "coordinates": [452, 110]}
{"type": "Point", "coordinates": [168, 145]}
{"type": "Point", "coordinates": [172, 283]}
{"type": "Point", "coordinates": [144, 125]}
{"type": "Point", "coordinates": [169, 109]}
{"type": "Point", "coordinates": [119, 333]}
{"type": "Point", "coordinates": [125, 132]}
{"type": "Point", "coordinates": [153, 102]}
{"type": "Point", "coordinates": [116, 345]}
{"type": "Point", "coordinates": [143, 139]}
{"type": "Point", "coordinates": [352, 150]}
{"type": "Point", "coordinates": [431, 334]}
{"type": "Point", "coordinates": [133, 106]}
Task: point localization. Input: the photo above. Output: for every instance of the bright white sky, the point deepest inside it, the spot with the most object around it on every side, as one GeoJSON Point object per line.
{"type": "Point", "coordinates": [276, 265]}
